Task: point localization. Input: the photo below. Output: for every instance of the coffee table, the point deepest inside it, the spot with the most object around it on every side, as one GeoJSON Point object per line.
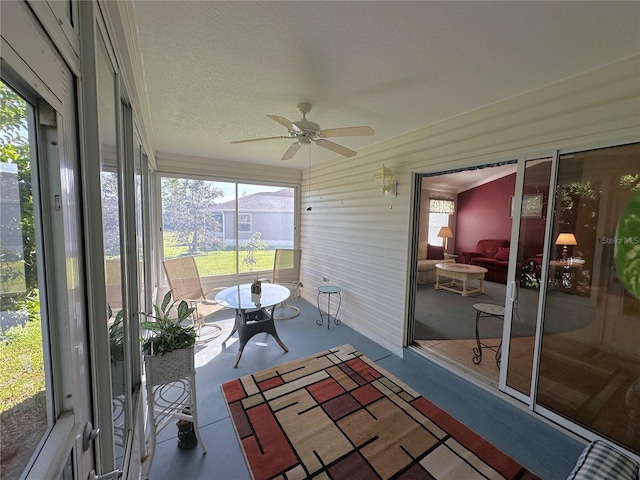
{"type": "Point", "coordinates": [253, 311]}
{"type": "Point", "coordinates": [453, 273]}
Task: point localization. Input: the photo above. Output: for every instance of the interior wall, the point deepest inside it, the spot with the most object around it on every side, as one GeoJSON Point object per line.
{"type": "Point", "coordinates": [484, 213]}
{"type": "Point", "coordinates": [359, 238]}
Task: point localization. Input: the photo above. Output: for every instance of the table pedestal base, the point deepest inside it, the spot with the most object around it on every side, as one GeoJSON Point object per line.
{"type": "Point", "coordinates": [248, 324]}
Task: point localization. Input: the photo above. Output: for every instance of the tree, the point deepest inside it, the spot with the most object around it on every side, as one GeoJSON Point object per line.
{"type": "Point", "coordinates": [14, 149]}
{"type": "Point", "coordinates": [254, 245]}
{"type": "Point", "coordinates": [188, 209]}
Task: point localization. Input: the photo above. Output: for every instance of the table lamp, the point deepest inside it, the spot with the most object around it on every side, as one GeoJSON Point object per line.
{"type": "Point", "coordinates": [565, 239]}
{"type": "Point", "coordinates": [445, 233]}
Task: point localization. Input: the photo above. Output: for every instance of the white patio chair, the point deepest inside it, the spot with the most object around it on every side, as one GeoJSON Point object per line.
{"type": "Point", "coordinates": [184, 281]}
{"type": "Point", "coordinates": [286, 271]}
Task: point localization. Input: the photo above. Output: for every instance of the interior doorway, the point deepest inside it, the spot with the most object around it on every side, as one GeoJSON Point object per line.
{"type": "Point", "coordinates": [560, 278]}
{"type": "Point", "coordinates": [444, 321]}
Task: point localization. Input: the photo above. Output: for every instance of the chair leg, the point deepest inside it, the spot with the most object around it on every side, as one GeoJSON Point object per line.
{"type": "Point", "coordinates": [199, 324]}
{"type": "Point", "coordinates": [292, 310]}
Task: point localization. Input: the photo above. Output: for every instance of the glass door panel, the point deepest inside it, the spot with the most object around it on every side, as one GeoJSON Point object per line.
{"type": "Point", "coordinates": [25, 381]}
{"type": "Point", "coordinates": [117, 318]}
{"type": "Point", "coordinates": [230, 228]}
{"type": "Point", "coordinates": [528, 275]}
{"type": "Point", "coordinates": [265, 222]}
{"type": "Point", "coordinates": [589, 369]}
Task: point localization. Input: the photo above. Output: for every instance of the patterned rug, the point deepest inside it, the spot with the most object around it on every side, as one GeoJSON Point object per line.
{"type": "Point", "coordinates": [337, 415]}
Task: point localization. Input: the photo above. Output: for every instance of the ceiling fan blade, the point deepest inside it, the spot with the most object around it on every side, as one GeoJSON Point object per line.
{"type": "Point", "coordinates": [347, 132]}
{"type": "Point", "coordinates": [291, 151]}
{"type": "Point", "coordinates": [284, 122]}
{"type": "Point", "coordinates": [258, 139]}
{"type": "Point", "coordinates": [334, 147]}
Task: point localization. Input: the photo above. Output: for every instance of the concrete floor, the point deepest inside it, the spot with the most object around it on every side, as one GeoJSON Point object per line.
{"type": "Point", "coordinates": [544, 449]}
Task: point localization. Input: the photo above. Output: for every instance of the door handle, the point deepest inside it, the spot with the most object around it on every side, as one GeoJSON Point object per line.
{"type": "Point", "coordinates": [89, 435]}
{"type": "Point", "coordinates": [107, 476]}
{"type": "Point", "coordinates": [513, 295]}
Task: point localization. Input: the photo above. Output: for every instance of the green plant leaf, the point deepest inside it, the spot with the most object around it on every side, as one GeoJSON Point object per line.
{"type": "Point", "coordinates": [627, 247]}
{"type": "Point", "coordinates": [184, 311]}
{"type": "Point", "coordinates": [168, 333]}
{"type": "Point", "coordinates": [166, 300]}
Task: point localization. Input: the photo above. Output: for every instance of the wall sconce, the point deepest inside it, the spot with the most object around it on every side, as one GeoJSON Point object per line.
{"type": "Point", "coordinates": [386, 181]}
{"type": "Point", "coordinates": [565, 239]}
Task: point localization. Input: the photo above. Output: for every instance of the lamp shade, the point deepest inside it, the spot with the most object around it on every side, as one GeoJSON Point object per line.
{"type": "Point", "coordinates": [566, 239]}
{"type": "Point", "coordinates": [445, 232]}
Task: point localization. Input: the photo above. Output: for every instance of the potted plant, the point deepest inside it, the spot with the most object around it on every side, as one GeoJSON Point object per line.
{"type": "Point", "coordinates": [168, 358]}
{"type": "Point", "coordinates": [169, 350]}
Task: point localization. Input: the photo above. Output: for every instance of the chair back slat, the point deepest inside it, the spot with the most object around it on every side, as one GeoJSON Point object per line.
{"type": "Point", "coordinates": [286, 266]}
{"type": "Point", "coordinates": [183, 277]}
{"type": "Point", "coordinates": [114, 283]}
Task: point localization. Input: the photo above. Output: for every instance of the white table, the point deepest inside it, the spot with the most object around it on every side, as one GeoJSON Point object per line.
{"type": "Point", "coordinates": [455, 272]}
{"type": "Point", "coordinates": [253, 312]}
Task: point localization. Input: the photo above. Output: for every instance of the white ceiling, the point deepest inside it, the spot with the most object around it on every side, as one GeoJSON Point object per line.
{"type": "Point", "coordinates": [214, 69]}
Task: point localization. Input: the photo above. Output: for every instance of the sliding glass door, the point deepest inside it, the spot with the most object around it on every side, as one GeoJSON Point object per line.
{"type": "Point", "coordinates": [571, 337]}
{"type": "Point", "coordinates": [589, 365]}
{"type": "Point", "coordinates": [572, 333]}
{"type": "Point", "coordinates": [230, 228]}
{"type": "Point", "coordinates": [525, 286]}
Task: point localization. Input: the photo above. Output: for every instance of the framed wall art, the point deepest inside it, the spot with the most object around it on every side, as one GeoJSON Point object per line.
{"type": "Point", "coordinates": [531, 205]}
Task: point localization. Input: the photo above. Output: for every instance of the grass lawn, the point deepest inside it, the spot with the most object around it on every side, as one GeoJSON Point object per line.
{"type": "Point", "coordinates": [219, 262]}
{"type": "Point", "coordinates": [12, 274]}
{"type": "Point", "coordinates": [22, 372]}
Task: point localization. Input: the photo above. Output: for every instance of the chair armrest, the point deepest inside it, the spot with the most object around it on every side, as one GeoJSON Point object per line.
{"type": "Point", "coordinates": [467, 256]}
{"type": "Point", "coordinates": [212, 293]}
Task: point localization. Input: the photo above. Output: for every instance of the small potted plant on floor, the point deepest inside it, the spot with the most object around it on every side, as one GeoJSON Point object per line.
{"type": "Point", "coordinates": [169, 350]}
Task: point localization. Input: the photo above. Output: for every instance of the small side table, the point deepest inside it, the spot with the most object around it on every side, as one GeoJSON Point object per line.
{"type": "Point", "coordinates": [329, 290]}
{"type": "Point", "coordinates": [487, 310]}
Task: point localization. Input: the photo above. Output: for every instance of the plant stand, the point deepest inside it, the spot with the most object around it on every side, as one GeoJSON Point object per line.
{"type": "Point", "coordinates": [171, 391]}
{"type": "Point", "coordinates": [118, 401]}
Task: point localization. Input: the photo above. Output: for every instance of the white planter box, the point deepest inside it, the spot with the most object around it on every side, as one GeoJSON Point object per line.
{"type": "Point", "coordinates": [170, 367]}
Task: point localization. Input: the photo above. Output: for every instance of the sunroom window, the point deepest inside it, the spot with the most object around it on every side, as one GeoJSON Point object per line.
{"type": "Point", "coordinates": [229, 227]}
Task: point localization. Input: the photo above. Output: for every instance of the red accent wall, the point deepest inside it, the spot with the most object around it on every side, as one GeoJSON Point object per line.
{"type": "Point", "coordinates": [484, 213]}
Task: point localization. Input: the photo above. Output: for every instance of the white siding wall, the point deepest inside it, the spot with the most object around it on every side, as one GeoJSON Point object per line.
{"type": "Point", "coordinates": [359, 238]}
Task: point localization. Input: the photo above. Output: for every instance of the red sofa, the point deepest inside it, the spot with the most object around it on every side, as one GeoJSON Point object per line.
{"type": "Point", "coordinates": [492, 255]}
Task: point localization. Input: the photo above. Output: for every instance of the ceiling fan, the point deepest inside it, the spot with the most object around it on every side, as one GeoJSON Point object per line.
{"type": "Point", "coordinates": [304, 132]}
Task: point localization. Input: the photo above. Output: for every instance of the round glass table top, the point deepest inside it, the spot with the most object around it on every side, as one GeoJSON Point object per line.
{"type": "Point", "coordinates": [490, 308]}
{"type": "Point", "coordinates": [240, 296]}
{"type": "Point", "coordinates": [329, 289]}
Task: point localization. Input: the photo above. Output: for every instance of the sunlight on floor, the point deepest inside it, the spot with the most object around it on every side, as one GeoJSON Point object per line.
{"type": "Point", "coordinates": [206, 352]}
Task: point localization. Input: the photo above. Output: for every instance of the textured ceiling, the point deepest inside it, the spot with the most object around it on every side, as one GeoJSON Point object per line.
{"type": "Point", "coordinates": [214, 69]}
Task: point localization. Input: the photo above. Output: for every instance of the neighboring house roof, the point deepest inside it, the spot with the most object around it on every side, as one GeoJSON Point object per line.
{"type": "Point", "coordinates": [264, 201]}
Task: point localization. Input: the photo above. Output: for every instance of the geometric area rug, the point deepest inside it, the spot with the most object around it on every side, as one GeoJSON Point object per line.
{"type": "Point", "coordinates": [337, 415]}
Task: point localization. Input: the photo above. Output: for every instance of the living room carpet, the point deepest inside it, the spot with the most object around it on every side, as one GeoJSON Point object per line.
{"type": "Point", "coordinates": [337, 415]}
{"type": "Point", "coordinates": [442, 315]}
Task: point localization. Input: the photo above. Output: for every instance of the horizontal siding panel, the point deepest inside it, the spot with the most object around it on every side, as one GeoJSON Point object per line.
{"type": "Point", "coordinates": [360, 239]}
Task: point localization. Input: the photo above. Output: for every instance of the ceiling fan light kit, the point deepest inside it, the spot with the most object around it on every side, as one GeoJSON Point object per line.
{"type": "Point", "coordinates": [304, 132]}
